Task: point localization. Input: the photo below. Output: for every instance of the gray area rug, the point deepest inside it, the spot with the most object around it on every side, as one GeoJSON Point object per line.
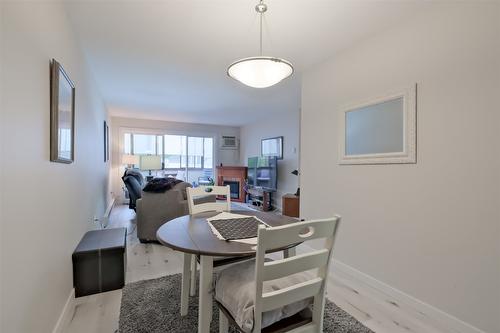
{"type": "Point", "coordinates": [153, 306]}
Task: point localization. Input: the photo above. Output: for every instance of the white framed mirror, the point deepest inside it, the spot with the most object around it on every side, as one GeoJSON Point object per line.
{"type": "Point", "coordinates": [380, 131]}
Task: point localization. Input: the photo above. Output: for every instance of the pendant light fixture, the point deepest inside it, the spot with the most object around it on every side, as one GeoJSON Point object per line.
{"type": "Point", "coordinates": [261, 71]}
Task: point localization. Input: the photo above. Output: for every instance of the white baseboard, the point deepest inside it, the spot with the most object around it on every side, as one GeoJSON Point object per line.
{"type": "Point", "coordinates": [105, 218]}
{"type": "Point", "coordinates": [66, 314]}
{"type": "Point", "coordinates": [411, 306]}
{"type": "Point", "coordinates": [427, 313]}
{"type": "Point", "coordinates": [109, 208]}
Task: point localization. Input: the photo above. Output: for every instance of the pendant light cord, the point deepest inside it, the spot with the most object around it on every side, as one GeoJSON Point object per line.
{"type": "Point", "coordinates": [261, 8]}
{"type": "Point", "coordinates": [261, 17]}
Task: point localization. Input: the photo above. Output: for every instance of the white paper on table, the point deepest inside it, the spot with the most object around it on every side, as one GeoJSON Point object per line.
{"type": "Point", "coordinates": [226, 216]}
{"type": "Point", "coordinates": [249, 241]}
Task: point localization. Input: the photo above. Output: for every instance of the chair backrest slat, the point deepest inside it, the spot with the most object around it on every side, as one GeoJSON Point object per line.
{"type": "Point", "coordinates": [279, 298]}
{"type": "Point", "coordinates": [209, 206]}
{"type": "Point", "coordinates": [317, 262]}
{"type": "Point", "coordinates": [201, 191]}
{"type": "Point", "coordinates": [296, 233]}
{"type": "Point", "coordinates": [303, 262]}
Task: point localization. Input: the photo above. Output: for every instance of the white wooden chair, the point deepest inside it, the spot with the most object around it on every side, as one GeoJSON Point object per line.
{"type": "Point", "coordinates": [312, 285]}
{"type": "Point", "coordinates": [220, 206]}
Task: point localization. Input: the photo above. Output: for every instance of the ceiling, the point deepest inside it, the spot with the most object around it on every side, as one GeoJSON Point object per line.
{"type": "Point", "coordinates": [168, 59]}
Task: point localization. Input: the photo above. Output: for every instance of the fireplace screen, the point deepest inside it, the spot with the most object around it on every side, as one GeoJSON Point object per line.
{"type": "Point", "coordinates": [234, 187]}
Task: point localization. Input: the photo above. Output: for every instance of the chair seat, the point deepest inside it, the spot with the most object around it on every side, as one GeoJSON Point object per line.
{"type": "Point", "coordinates": [235, 291]}
{"type": "Point", "coordinates": [285, 325]}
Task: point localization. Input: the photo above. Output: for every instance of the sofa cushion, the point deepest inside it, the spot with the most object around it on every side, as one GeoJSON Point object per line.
{"type": "Point", "coordinates": [160, 185]}
{"type": "Point", "coordinates": [235, 290]}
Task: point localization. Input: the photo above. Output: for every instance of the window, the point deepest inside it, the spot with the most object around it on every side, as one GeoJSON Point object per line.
{"type": "Point", "coordinates": [142, 144]}
{"type": "Point", "coordinates": [208, 153]}
{"type": "Point", "coordinates": [177, 151]}
{"type": "Point", "coordinates": [128, 144]}
{"type": "Point", "coordinates": [195, 150]}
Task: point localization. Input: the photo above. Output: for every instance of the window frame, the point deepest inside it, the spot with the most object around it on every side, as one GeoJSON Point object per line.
{"type": "Point", "coordinates": [162, 133]}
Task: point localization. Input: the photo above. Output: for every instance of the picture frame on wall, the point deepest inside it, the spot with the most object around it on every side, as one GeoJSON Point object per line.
{"type": "Point", "coordinates": [62, 115]}
{"type": "Point", "coordinates": [272, 147]}
{"type": "Point", "coordinates": [380, 130]}
{"type": "Point", "coordinates": [106, 142]}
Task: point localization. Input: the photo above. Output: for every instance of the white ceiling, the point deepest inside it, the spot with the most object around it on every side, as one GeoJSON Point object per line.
{"type": "Point", "coordinates": [168, 59]}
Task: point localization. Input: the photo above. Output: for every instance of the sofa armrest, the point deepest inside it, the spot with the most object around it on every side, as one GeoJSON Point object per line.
{"type": "Point", "coordinates": [155, 209]}
{"type": "Point", "coordinates": [184, 206]}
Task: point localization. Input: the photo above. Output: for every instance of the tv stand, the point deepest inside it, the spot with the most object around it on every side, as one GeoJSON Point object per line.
{"type": "Point", "coordinates": [260, 198]}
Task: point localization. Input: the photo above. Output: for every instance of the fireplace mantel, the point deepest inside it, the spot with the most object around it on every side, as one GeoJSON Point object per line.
{"type": "Point", "coordinates": [231, 174]}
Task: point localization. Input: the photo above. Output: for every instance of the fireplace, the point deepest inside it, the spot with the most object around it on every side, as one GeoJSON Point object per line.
{"type": "Point", "coordinates": [234, 187]}
{"type": "Point", "coordinates": [235, 177]}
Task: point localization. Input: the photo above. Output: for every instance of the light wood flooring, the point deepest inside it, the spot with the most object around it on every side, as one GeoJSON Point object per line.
{"type": "Point", "coordinates": [99, 313]}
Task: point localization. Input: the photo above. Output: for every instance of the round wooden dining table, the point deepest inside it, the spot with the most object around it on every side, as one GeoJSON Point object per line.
{"type": "Point", "coordinates": [192, 235]}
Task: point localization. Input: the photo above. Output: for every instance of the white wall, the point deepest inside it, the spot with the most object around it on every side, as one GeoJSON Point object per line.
{"type": "Point", "coordinates": [286, 125]}
{"type": "Point", "coordinates": [429, 229]}
{"type": "Point", "coordinates": [226, 157]}
{"type": "Point", "coordinates": [2, 121]}
{"type": "Point", "coordinates": [46, 207]}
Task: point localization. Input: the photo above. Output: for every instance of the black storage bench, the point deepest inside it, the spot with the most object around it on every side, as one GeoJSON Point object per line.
{"type": "Point", "coordinates": [100, 261]}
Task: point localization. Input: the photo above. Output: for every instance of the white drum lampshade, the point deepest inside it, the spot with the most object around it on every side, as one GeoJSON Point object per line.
{"type": "Point", "coordinates": [150, 162]}
{"type": "Point", "coordinates": [130, 160]}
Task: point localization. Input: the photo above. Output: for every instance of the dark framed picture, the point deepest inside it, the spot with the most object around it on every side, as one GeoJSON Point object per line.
{"type": "Point", "coordinates": [62, 115]}
{"type": "Point", "coordinates": [106, 142]}
{"type": "Point", "coordinates": [272, 147]}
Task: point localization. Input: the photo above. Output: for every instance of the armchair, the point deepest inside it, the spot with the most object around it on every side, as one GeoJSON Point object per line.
{"type": "Point", "coordinates": [134, 181]}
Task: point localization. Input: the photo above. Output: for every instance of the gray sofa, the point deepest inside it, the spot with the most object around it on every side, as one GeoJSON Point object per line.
{"type": "Point", "coordinates": [155, 209]}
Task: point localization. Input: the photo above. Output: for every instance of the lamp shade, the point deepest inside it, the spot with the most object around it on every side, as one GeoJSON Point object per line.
{"type": "Point", "coordinates": [150, 162]}
{"type": "Point", "coordinates": [260, 72]}
{"type": "Point", "coordinates": [130, 159]}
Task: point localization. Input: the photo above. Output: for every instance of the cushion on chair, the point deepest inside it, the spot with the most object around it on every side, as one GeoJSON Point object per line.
{"type": "Point", "coordinates": [235, 290]}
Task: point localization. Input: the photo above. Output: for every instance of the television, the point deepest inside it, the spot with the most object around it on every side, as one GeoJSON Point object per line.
{"type": "Point", "coordinates": [263, 172]}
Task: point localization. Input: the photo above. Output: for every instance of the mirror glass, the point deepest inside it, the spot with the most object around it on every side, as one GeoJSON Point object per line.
{"type": "Point", "coordinates": [65, 121]}
{"type": "Point", "coordinates": [272, 147]}
{"type": "Point", "coordinates": [376, 129]}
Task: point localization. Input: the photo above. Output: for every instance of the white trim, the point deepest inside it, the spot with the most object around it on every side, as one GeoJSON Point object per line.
{"type": "Point", "coordinates": [110, 208]}
{"type": "Point", "coordinates": [156, 131]}
{"type": "Point", "coordinates": [411, 306]}
{"type": "Point", "coordinates": [409, 155]}
{"type": "Point", "coordinates": [105, 218]}
{"type": "Point", "coordinates": [66, 314]}
{"type": "Point", "coordinates": [444, 320]}
{"type": "Point", "coordinates": [162, 132]}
